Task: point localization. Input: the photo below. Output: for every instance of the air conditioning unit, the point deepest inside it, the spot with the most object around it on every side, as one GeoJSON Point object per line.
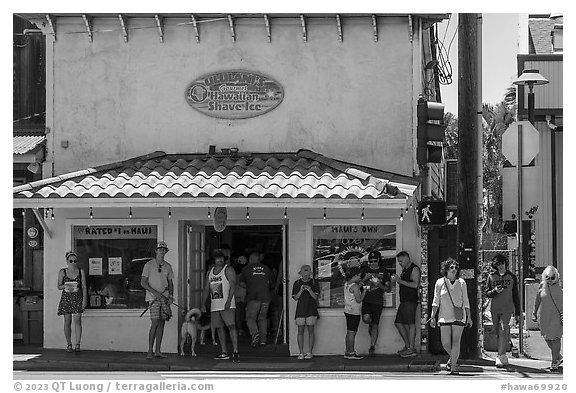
{"type": "Point", "coordinates": [451, 183]}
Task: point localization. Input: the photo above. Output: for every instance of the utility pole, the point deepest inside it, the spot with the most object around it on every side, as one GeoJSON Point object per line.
{"type": "Point", "coordinates": [468, 148]}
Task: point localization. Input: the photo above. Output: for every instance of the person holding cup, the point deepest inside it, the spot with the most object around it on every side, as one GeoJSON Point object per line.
{"type": "Point", "coordinates": [73, 301]}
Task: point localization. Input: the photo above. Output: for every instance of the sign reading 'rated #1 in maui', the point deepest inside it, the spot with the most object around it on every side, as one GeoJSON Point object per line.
{"type": "Point", "coordinates": [234, 94]}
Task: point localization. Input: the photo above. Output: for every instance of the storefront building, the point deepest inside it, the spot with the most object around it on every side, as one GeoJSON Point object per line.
{"type": "Point", "coordinates": [289, 135]}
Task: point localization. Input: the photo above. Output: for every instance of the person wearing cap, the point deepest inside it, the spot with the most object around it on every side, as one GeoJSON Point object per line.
{"type": "Point", "coordinates": [74, 299]}
{"type": "Point", "coordinates": [157, 279]}
{"type": "Point", "coordinates": [220, 287]}
{"type": "Point", "coordinates": [306, 291]}
{"type": "Point", "coordinates": [377, 281]}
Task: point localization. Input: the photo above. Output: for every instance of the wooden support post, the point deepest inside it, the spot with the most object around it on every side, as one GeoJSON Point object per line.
{"type": "Point", "coordinates": [52, 25]}
{"type": "Point", "coordinates": [467, 191]}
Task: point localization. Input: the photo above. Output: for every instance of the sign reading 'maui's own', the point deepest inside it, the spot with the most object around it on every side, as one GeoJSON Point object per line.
{"type": "Point", "coordinates": [234, 94]}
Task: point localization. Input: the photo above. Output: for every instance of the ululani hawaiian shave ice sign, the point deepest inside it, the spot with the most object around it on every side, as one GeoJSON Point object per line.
{"type": "Point", "coordinates": [234, 94]}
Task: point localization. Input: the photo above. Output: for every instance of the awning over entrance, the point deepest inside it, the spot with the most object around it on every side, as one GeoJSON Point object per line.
{"type": "Point", "coordinates": [163, 179]}
{"type": "Point", "coordinates": [27, 148]}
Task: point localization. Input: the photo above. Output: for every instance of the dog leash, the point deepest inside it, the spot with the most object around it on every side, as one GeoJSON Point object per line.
{"type": "Point", "coordinates": [152, 302]}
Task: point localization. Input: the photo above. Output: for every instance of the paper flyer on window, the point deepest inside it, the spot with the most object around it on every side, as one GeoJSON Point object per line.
{"type": "Point", "coordinates": [115, 265]}
{"type": "Point", "coordinates": [95, 266]}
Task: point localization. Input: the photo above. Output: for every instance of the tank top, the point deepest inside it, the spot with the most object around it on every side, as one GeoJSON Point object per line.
{"type": "Point", "coordinates": [219, 290]}
{"type": "Point", "coordinates": [408, 294]}
{"type": "Point", "coordinates": [351, 306]}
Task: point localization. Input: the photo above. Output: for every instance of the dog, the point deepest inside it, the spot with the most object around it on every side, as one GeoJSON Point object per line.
{"type": "Point", "coordinates": [195, 321]}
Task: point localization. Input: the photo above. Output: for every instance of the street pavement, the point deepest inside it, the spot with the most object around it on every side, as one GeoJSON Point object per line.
{"type": "Point", "coordinates": [271, 361]}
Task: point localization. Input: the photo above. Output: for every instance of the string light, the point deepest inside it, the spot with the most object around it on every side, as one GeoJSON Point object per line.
{"type": "Point", "coordinates": [324, 216]}
{"type": "Point", "coordinates": [52, 216]}
{"type": "Point", "coordinates": [285, 213]}
{"type": "Point", "coordinates": [169, 212]}
{"type": "Point", "coordinates": [247, 213]}
{"type": "Point", "coordinates": [91, 214]}
{"type": "Point", "coordinates": [209, 215]}
{"type": "Point", "coordinates": [130, 214]}
{"type": "Point", "coordinates": [401, 215]}
{"type": "Point", "coordinates": [362, 215]}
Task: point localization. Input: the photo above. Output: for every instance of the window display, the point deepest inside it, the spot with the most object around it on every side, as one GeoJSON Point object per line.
{"type": "Point", "coordinates": [113, 257]}
{"type": "Point", "coordinates": [338, 247]}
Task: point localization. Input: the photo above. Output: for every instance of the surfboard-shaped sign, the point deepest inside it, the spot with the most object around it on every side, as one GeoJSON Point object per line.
{"type": "Point", "coordinates": [235, 94]}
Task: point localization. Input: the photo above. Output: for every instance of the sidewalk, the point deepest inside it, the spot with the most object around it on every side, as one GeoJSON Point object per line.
{"type": "Point", "coordinates": [270, 358]}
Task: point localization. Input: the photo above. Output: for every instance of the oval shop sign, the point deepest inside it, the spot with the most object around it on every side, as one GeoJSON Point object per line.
{"type": "Point", "coordinates": [234, 94]}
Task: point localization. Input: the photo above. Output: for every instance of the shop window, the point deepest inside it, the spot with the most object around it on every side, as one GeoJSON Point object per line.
{"type": "Point", "coordinates": [113, 257]}
{"type": "Point", "coordinates": [336, 247]}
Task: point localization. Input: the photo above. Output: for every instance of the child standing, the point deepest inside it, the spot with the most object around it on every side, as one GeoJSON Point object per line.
{"type": "Point", "coordinates": [353, 296]}
{"type": "Point", "coordinates": [305, 291]}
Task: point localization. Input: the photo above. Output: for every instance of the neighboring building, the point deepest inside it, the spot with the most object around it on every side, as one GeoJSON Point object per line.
{"type": "Point", "coordinates": [542, 202]}
{"type": "Point", "coordinates": [29, 102]}
{"type": "Point", "coordinates": [303, 127]}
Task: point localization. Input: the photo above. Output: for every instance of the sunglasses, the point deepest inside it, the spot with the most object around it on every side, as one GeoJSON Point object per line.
{"type": "Point", "coordinates": [452, 268]}
{"type": "Point", "coordinates": [72, 261]}
{"type": "Point", "coordinates": [551, 278]}
{"type": "Point", "coordinates": [159, 269]}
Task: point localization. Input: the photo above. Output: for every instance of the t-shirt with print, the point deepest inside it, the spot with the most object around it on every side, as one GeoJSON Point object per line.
{"type": "Point", "coordinates": [374, 294]}
{"type": "Point", "coordinates": [306, 305]}
{"type": "Point", "coordinates": [258, 278]}
{"type": "Point", "coordinates": [507, 301]}
{"type": "Point", "coordinates": [157, 279]}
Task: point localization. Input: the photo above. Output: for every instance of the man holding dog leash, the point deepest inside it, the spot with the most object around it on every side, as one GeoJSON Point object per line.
{"type": "Point", "coordinates": [157, 279]}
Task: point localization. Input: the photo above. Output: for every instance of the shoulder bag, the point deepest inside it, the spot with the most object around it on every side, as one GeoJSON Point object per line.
{"type": "Point", "coordinates": [458, 311]}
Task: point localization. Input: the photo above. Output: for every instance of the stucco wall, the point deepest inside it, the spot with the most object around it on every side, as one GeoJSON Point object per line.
{"type": "Point", "coordinates": [115, 100]}
{"type": "Point", "coordinates": [126, 331]}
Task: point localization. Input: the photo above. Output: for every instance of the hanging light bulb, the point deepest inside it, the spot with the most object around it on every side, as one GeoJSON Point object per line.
{"type": "Point", "coordinates": [209, 215]}
{"type": "Point", "coordinates": [52, 216]}
{"type": "Point", "coordinates": [247, 213]}
{"type": "Point", "coordinates": [169, 212]}
{"type": "Point", "coordinates": [401, 215]}
{"type": "Point", "coordinates": [130, 214]}
{"type": "Point", "coordinates": [324, 216]}
{"type": "Point", "coordinates": [285, 213]}
{"type": "Point", "coordinates": [362, 215]}
{"type": "Point", "coordinates": [91, 214]}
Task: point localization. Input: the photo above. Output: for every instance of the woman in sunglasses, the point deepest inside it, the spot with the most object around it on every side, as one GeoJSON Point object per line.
{"type": "Point", "coordinates": [73, 301]}
{"type": "Point", "coordinates": [452, 306]}
{"type": "Point", "coordinates": [549, 301]}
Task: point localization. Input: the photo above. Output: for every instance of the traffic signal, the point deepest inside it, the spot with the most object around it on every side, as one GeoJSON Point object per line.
{"type": "Point", "coordinates": [432, 212]}
{"type": "Point", "coordinates": [429, 132]}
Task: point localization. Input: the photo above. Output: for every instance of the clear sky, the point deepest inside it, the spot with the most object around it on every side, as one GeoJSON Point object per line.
{"type": "Point", "coordinates": [499, 50]}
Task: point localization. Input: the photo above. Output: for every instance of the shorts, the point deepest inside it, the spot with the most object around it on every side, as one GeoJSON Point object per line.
{"type": "Point", "coordinates": [160, 309]}
{"type": "Point", "coordinates": [406, 314]}
{"type": "Point", "coordinates": [352, 322]}
{"type": "Point", "coordinates": [455, 323]}
{"type": "Point", "coordinates": [374, 310]}
{"type": "Point", "coordinates": [308, 321]}
{"type": "Point", "coordinates": [223, 317]}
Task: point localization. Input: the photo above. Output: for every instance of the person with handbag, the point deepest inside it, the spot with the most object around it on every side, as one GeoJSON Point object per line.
{"type": "Point", "coordinates": [451, 310]}
{"type": "Point", "coordinates": [549, 301]}
{"type": "Point", "coordinates": [502, 289]}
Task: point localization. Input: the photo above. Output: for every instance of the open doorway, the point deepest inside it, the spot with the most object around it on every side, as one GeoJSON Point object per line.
{"type": "Point", "coordinates": [237, 242]}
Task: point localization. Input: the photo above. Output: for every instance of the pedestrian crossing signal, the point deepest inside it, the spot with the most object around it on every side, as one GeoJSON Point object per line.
{"type": "Point", "coordinates": [432, 212]}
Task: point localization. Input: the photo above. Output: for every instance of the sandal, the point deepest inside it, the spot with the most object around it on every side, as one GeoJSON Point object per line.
{"type": "Point", "coordinates": [77, 348]}
{"type": "Point", "coordinates": [69, 348]}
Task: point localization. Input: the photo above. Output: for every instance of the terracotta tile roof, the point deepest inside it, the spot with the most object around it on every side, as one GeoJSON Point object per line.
{"type": "Point", "coordinates": [303, 174]}
{"type": "Point", "coordinates": [25, 144]}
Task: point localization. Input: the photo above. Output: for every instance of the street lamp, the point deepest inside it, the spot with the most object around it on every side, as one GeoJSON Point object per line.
{"type": "Point", "coordinates": [528, 78]}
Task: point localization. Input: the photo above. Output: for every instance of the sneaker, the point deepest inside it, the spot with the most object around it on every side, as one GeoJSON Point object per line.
{"type": "Point", "coordinates": [504, 360]}
{"type": "Point", "coordinates": [255, 339]}
{"type": "Point", "coordinates": [222, 356]}
{"type": "Point", "coordinates": [371, 352]}
{"type": "Point", "coordinates": [308, 356]}
{"type": "Point", "coordinates": [301, 356]}
{"type": "Point", "coordinates": [560, 361]}
{"type": "Point", "coordinates": [354, 356]}
{"type": "Point", "coordinates": [409, 353]}
{"type": "Point", "coordinates": [403, 350]}
{"type": "Point", "coordinates": [235, 357]}
{"type": "Point", "coordinates": [554, 366]}
{"type": "Point", "coordinates": [501, 361]}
